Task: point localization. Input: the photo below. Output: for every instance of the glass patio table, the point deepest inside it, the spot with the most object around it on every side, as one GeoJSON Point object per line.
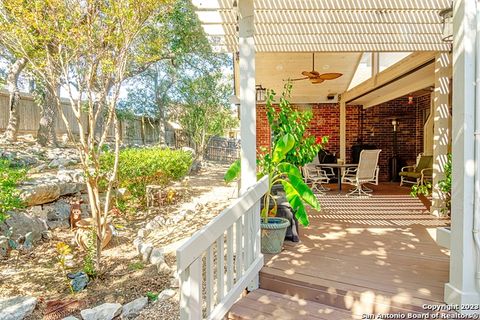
{"type": "Point", "coordinates": [339, 171]}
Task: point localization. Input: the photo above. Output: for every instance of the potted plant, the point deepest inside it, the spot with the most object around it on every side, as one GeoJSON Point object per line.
{"type": "Point", "coordinates": [291, 147]}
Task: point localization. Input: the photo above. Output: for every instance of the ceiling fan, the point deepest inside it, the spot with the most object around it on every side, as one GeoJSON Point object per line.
{"type": "Point", "coordinates": [316, 77]}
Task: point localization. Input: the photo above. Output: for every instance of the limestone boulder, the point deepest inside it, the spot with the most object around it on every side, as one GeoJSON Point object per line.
{"type": "Point", "coordinates": [16, 308]}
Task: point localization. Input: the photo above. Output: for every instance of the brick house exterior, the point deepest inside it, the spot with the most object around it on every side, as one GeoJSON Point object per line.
{"type": "Point", "coordinates": [372, 126]}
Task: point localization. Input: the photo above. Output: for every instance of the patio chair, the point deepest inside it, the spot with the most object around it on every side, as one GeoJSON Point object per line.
{"type": "Point", "coordinates": [419, 173]}
{"type": "Point", "coordinates": [367, 172]}
{"type": "Point", "coordinates": [315, 177]}
{"type": "Point", "coordinates": [350, 172]}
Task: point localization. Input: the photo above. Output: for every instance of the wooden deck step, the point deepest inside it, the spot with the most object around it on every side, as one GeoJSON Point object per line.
{"type": "Point", "coordinates": [267, 305]}
{"type": "Point", "coordinates": [342, 296]}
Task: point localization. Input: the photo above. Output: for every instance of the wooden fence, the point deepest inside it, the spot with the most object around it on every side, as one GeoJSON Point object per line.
{"type": "Point", "coordinates": [135, 131]}
{"type": "Point", "coordinates": [223, 149]}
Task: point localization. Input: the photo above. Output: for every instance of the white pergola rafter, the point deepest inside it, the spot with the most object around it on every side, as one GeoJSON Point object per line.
{"type": "Point", "coordinates": [328, 26]}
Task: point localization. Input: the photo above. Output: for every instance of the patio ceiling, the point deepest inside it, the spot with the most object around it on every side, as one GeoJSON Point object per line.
{"type": "Point", "coordinates": [329, 25]}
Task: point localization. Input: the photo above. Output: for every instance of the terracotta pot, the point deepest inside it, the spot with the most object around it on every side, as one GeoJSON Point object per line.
{"type": "Point", "coordinates": [83, 233]}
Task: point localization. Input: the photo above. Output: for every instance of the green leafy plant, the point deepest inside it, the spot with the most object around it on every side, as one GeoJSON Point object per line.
{"type": "Point", "coordinates": [424, 189]}
{"type": "Point", "coordinates": [284, 119]}
{"type": "Point", "coordinates": [10, 199]}
{"type": "Point", "coordinates": [280, 171]}
{"type": "Point", "coordinates": [291, 148]}
{"type": "Point", "coordinates": [89, 259]}
{"type": "Point", "coordinates": [64, 256]}
{"type": "Point", "coordinates": [445, 185]}
{"type": "Point", "coordinates": [136, 266]}
{"type": "Point", "coordinates": [152, 296]}
{"type": "Point", "coordinates": [139, 167]}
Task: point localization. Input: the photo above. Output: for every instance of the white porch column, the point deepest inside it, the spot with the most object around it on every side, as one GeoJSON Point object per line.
{"type": "Point", "coordinates": [343, 129]}
{"type": "Point", "coordinates": [441, 128]}
{"type": "Point", "coordinates": [246, 45]}
{"type": "Point", "coordinates": [462, 285]}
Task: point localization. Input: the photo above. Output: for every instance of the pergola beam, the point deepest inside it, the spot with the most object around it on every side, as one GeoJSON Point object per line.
{"type": "Point", "coordinates": [218, 29]}
{"type": "Point", "coordinates": [325, 16]}
{"type": "Point", "coordinates": [329, 4]}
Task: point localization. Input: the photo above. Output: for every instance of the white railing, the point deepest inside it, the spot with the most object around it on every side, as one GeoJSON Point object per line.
{"type": "Point", "coordinates": [218, 262]}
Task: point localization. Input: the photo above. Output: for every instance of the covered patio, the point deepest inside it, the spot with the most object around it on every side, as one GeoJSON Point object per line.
{"type": "Point", "coordinates": [358, 256]}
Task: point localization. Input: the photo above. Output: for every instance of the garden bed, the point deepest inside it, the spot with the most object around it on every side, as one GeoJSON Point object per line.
{"type": "Point", "coordinates": [124, 277]}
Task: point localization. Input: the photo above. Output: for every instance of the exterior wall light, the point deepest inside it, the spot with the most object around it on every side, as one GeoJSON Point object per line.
{"type": "Point", "coordinates": [261, 93]}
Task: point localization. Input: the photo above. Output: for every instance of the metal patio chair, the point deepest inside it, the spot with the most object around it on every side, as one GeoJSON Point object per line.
{"type": "Point", "coordinates": [367, 172]}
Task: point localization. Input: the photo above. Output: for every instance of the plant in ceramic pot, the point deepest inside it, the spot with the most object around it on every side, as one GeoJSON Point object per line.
{"type": "Point", "coordinates": [280, 162]}
{"type": "Point", "coordinates": [297, 193]}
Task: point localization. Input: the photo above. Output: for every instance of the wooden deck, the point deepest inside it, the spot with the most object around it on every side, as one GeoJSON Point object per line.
{"type": "Point", "coordinates": [358, 256]}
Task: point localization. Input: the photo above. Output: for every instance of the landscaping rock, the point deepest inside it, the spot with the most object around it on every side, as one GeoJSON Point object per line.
{"type": "Point", "coordinates": [65, 162]}
{"type": "Point", "coordinates": [106, 311]}
{"type": "Point", "coordinates": [21, 223]}
{"type": "Point", "coordinates": [174, 283]}
{"type": "Point", "coordinates": [156, 257]}
{"type": "Point", "coordinates": [39, 192]}
{"type": "Point", "coordinates": [134, 307]}
{"type": "Point", "coordinates": [163, 268]}
{"type": "Point", "coordinates": [166, 294]}
{"type": "Point", "coordinates": [79, 281]}
{"type": "Point", "coordinates": [70, 318]}
{"type": "Point", "coordinates": [145, 251]}
{"type": "Point", "coordinates": [16, 308]}
{"type": "Point", "coordinates": [4, 247]}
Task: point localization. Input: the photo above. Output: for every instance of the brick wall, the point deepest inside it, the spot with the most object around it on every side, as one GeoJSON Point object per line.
{"type": "Point", "coordinates": [376, 128]}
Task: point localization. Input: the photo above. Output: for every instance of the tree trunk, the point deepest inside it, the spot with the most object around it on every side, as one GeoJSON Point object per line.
{"type": "Point", "coordinates": [46, 134]}
{"type": "Point", "coordinates": [12, 84]}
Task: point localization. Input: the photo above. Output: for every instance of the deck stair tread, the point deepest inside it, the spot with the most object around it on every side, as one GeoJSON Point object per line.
{"type": "Point", "coordinates": [267, 305]}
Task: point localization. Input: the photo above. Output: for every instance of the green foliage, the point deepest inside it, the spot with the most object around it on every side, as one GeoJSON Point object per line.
{"type": "Point", "coordinates": [152, 296]}
{"type": "Point", "coordinates": [424, 189]}
{"type": "Point", "coordinates": [285, 119]}
{"type": "Point", "coordinates": [139, 167]}
{"type": "Point", "coordinates": [445, 185]}
{"type": "Point", "coordinates": [89, 259]}
{"type": "Point", "coordinates": [10, 199]}
{"type": "Point", "coordinates": [205, 107]}
{"type": "Point", "coordinates": [64, 256]}
{"type": "Point", "coordinates": [136, 266]}
{"type": "Point", "coordinates": [280, 171]}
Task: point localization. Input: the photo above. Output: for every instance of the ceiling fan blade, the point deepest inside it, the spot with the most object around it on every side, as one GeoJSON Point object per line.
{"type": "Point", "coordinates": [330, 76]}
{"type": "Point", "coordinates": [297, 79]}
{"type": "Point", "coordinates": [308, 74]}
{"type": "Point", "coordinates": [316, 80]}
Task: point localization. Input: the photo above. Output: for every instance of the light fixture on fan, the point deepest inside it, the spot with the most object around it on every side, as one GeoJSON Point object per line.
{"type": "Point", "coordinates": [316, 77]}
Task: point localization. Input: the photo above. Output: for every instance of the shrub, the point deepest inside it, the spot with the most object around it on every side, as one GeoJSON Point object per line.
{"type": "Point", "coordinates": [139, 167]}
{"type": "Point", "coordinates": [10, 176]}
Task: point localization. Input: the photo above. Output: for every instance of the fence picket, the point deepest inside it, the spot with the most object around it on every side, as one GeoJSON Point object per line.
{"type": "Point", "coordinates": [229, 258]}
{"type": "Point", "coordinates": [209, 280]}
{"type": "Point", "coordinates": [220, 269]}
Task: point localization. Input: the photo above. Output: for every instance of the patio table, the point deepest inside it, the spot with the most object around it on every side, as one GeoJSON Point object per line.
{"type": "Point", "coordinates": [339, 171]}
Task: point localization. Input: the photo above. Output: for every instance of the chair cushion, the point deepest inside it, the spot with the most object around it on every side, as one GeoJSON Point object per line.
{"type": "Point", "coordinates": [410, 174]}
{"type": "Point", "coordinates": [424, 163]}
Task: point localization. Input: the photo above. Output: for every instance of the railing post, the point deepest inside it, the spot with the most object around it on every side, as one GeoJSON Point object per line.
{"type": "Point", "coordinates": [256, 235]}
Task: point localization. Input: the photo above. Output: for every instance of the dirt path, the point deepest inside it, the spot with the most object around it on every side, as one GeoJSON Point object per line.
{"type": "Point", "coordinates": [125, 277]}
